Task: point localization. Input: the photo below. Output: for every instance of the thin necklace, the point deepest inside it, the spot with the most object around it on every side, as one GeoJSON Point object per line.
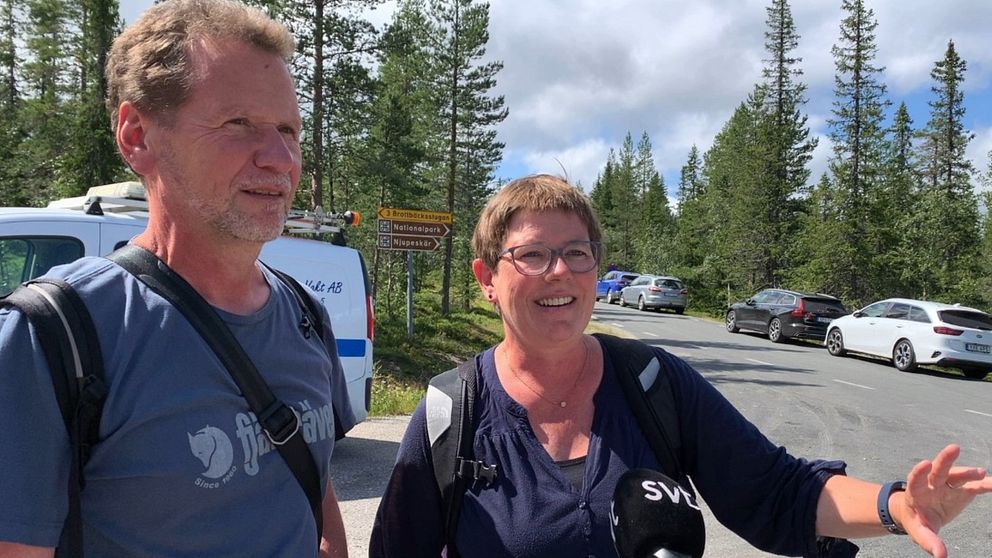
{"type": "Point", "coordinates": [563, 403]}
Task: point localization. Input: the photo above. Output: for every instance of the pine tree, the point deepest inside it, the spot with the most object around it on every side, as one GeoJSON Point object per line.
{"type": "Point", "coordinates": [402, 120]}
{"type": "Point", "coordinates": [92, 157]}
{"type": "Point", "coordinates": [47, 86]}
{"type": "Point", "coordinates": [12, 190]}
{"type": "Point", "coordinates": [469, 113]}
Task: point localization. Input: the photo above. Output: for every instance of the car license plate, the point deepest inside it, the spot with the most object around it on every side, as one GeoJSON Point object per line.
{"type": "Point", "coordinates": [975, 347]}
{"type": "Point", "coordinates": [824, 320]}
{"type": "Point", "coordinates": [671, 294]}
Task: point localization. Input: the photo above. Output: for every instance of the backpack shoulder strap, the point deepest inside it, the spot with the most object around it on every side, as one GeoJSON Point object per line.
{"type": "Point", "coordinates": [311, 320]}
{"type": "Point", "coordinates": [450, 414]}
{"type": "Point", "coordinates": [69, 340]}
{"type": "Point", "coordinates": [311, 313]}
{"type": "Point", "coordinates": [649, 393]}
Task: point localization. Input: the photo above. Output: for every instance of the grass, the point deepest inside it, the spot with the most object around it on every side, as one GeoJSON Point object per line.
{"type": "Point", "coordinates": [403, 365]}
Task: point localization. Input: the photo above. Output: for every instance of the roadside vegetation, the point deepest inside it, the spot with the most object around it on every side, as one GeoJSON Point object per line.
{"type": "Point", "coordinates": [404, 365]}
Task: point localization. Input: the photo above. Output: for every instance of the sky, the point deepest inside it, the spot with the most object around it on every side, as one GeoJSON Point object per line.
{"type": "Point", "coordinates": [579, 74]}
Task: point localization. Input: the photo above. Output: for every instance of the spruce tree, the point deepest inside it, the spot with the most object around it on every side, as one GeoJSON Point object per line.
{"type": "Point", "coordinates": [857, 133]}
{"type": "Point", "coordinates": [786, 138]}
{"type": "Point", "coordinates": [946, 218]}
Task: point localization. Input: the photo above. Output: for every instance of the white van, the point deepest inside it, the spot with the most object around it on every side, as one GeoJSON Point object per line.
{"type": "Point", "coordinates": [33, 240]}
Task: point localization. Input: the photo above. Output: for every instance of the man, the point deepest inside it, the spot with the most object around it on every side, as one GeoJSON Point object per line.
{"type": "Point", "coordinates": [204, 111]}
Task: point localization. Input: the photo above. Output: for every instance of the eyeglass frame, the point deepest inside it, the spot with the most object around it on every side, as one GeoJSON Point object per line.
{"type": "Point", "coordinates": [556, 254]}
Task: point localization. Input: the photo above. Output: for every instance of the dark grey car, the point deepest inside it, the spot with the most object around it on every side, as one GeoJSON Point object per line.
{"type": "Point", "coordinates": [656, 292]}
{"type": "Point", "coordinates": [783, 314]}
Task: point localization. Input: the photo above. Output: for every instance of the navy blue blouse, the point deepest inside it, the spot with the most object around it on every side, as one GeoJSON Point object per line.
{"type": "Point", "coordinates": [752, 486]}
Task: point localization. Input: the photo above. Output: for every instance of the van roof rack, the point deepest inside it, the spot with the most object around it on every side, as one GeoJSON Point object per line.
{"type": "Point", "coordinates": [316, 221]}
{"type": "Point", "coordinates": [129, 197]}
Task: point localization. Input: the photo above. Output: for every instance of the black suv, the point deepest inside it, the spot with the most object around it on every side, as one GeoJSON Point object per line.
{"type": "Point", "coordinates": [784, 314]}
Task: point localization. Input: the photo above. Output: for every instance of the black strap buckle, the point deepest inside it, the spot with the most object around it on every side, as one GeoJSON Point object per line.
{"type": "Point", "coordinates": [280, 422]}
{"type": "Point", "coordinates": [476, 470]}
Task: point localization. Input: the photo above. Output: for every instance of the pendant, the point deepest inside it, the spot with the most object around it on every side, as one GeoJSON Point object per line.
{"type": "Point", "coordinates": [563, 404]}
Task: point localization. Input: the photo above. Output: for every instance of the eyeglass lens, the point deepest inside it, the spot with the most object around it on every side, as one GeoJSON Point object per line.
{"type": "Point", "coordinates": [536, 259]}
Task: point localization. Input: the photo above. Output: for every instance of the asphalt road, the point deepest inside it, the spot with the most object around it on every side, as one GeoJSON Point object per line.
{"type": "Point", "coordinates": [864, 411]}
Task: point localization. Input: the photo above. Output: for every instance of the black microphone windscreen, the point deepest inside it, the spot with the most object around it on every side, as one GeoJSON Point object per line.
{"type": "Point", "coordinates": [652, 516]}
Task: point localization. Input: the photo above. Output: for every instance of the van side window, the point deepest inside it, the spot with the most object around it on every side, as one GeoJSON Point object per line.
{"type": "Point", "coordinates": [23, 258]}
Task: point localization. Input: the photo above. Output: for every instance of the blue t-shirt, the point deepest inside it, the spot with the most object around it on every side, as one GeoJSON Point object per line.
{"type": "Point", "coordinates": [182, 467]}
{"type": "Point", "coordinates": [532, 510]}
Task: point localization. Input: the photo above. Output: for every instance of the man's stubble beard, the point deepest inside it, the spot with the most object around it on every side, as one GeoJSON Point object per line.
{"type": "Point", "coordinates": [222, 213]}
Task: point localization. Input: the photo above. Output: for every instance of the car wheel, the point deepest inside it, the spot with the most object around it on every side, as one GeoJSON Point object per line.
{"type": "Point", "coordinates": [680, 311]}
{"type": "Point", "coordinates": [609, 296]}
{"type": "Point", "coordinates": [775, 331]}
{"type": "Point", "coordinates": [731, 322]}
{"type": "Point", "coordinates": [621, 301]}
{"type": "Point", "coordinates": [835, 342]}
{"type": "Point", "coordinates": [640, 304]}
{"type": "Point", "coordinates": [975, 373]}
{"type": "Point", "coordinates": [903, 356]}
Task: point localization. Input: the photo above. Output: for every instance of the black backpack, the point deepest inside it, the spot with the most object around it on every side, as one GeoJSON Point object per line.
{"type": "Point", "coordinates": [69, 340]}
{"type": "Point", "coordinates": [450, 416]}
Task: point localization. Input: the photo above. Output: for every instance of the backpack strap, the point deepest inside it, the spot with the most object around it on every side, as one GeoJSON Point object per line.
{"type": "Point", "coordinates": [279, 421]}
{"type": "Point", "coordinates": [311, 313]}
{"type": "Point", "coordinates": [311, 319]}
{"type": "Point", "coordinates": [648, 391]}
{"type": "Point", "coordinates": [450, 413]}
{"type": "Point", "coordinates": [69, 340]}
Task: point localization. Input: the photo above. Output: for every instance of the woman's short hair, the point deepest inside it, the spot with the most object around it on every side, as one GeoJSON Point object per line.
{"type": "Point", "coordinates": [150, 62]}
{"type": "Point", "coordinates": [539, 192]}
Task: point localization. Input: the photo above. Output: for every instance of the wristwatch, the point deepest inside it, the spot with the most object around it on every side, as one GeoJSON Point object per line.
{"type": "Point", "coordinates": [883, 506]}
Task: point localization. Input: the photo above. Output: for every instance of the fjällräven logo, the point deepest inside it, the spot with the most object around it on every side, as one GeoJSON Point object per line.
{"type": "Point", "coordinates": [214, 449]}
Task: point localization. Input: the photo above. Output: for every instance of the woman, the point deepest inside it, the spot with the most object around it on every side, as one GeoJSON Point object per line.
{"type": "Point", "coordinates": [552, 417]}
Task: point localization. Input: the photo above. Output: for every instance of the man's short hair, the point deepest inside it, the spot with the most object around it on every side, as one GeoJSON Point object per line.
{"type": "Point", "coordinates": [150, 62]}
{"type": "Point", "coordinates": [540, 192]}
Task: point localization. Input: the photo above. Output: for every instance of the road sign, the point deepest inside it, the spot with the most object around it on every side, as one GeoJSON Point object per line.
{"type": "Point", "coordinates": [413, 228]}
{"type": "Point", "coordinates": [407, 242]}
{"type": "Point", "coordinates": [415, 215]}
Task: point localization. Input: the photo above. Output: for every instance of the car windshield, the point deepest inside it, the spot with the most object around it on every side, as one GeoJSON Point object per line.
{"type": "Point", "coordinates": [966, 318]}
{"type": "Point", "coordinates": [668, 283]}
{"type": "Point", "coordinates": [628, 277]}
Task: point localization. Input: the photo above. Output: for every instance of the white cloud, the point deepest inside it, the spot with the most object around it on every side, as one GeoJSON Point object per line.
{"type": "Point", "coordinates": [579, 74]}
{"type": "Point", "coordinates": [581, 163]}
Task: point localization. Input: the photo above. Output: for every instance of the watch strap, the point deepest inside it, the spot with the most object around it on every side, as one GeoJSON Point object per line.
{"type": "Point", "coordinates": [883, 506]}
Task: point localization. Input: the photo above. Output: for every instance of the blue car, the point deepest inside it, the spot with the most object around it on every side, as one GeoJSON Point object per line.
{"type": "Point", "coordinates": [608, 288]}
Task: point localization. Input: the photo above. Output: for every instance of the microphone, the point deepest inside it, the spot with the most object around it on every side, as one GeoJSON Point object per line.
{"type": "Point", "coordinates": [652, 516]}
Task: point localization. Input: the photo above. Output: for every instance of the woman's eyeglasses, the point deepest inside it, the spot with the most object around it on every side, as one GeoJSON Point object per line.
{"type": "Point", "coordinates": [536, 259]}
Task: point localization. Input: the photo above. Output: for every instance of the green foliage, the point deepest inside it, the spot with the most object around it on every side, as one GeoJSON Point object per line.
{"type": "Point", "coordinates": [439, 342]}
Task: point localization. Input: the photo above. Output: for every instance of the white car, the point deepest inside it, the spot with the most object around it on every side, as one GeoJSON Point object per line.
{"type": "Point", "coordinates": [912, 332]}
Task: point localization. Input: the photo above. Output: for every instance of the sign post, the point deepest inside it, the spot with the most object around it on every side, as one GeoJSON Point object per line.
{"type": "Point", "coordinates": [413, 230]}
